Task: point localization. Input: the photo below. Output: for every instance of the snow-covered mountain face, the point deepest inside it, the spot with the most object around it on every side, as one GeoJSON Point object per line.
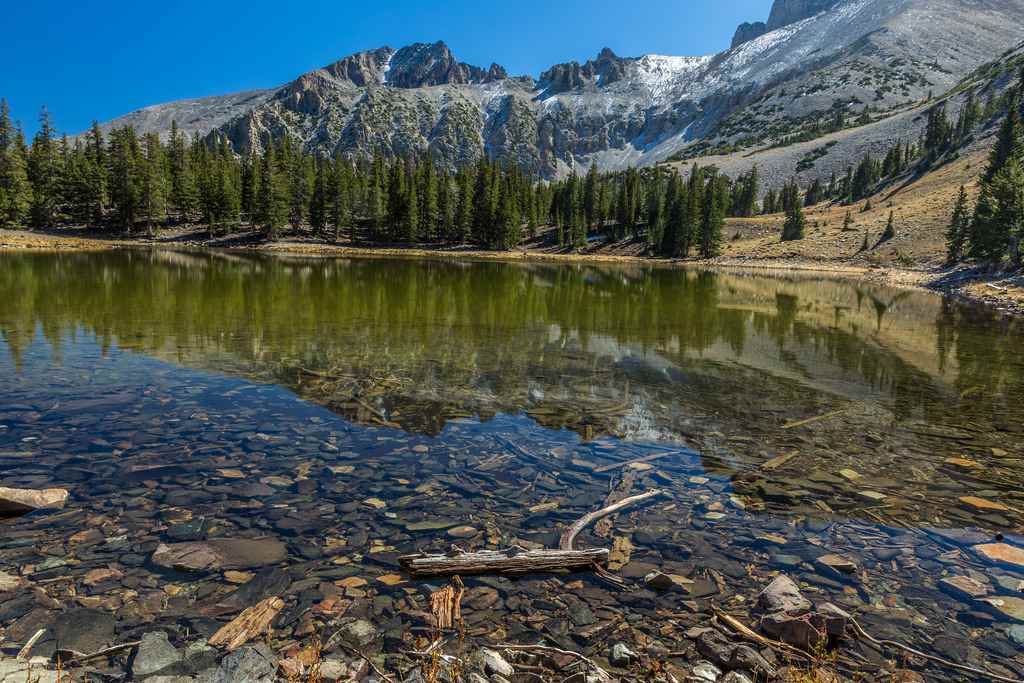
{"type": "Point", "coordinates": [809, 61]}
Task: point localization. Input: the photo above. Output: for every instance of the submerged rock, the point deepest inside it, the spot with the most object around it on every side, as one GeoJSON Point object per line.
{"type": "Point", "coordinates": [964, 587]}
{"type": "Point", "coordinates": [783, 595]}
{"type": "Point", "coordinates": [220, 554]}
{"type": "Point", "coordinates": [252, 664]}
{"type": "Point", "coordinates": [15, 502]}
{"type": "Point", "coordinates": [155, 656]}
{"type": "Point", "coordinates": [19, 671]}
{"type": "Point", "coordinates": [1001, 553]}
{"type": "Point", "coordinates": [9, 583]}
{"type": "Point", "coordinates": [495, 664]}
{"type": "Point", "coordinates": [621, 655]}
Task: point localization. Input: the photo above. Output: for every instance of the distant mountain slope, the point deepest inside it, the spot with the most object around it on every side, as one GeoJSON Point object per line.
{"type": "Point", "coordinates": [812, 61]}
{"type": "Point", "coordinates": [200, 115]}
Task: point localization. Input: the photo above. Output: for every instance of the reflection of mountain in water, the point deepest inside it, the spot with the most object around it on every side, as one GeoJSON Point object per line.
{"type": "Point", "coordinates": [718, 362]}
{"type": "Point", "coordinates": [483, 337]}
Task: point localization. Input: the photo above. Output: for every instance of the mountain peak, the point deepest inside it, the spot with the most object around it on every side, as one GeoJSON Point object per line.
{"type": "Point", "coordinates": [426, 64]}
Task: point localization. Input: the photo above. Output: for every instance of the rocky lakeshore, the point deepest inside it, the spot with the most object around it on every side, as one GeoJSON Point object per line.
{"type": "Point", "coordinates": [279, 560]}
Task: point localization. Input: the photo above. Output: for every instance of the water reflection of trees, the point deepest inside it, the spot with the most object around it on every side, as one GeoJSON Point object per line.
{"type": "Point", "coordinates": [490, 326]}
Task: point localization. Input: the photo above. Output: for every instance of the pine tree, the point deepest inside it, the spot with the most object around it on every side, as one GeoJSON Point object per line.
{"type": "Point", "coordinates": [44, 175]}
{"type": "Point", "coordinates": [299, 190]}
{"type": "Point", "coordinates": [590, 197]}
{"type": "Point", "coordinates": [376, 201]}
{"type": "Point", "coordinates": [481, 204]}
{"type": "Point", "coordinates": [125, 160]}
{"type": "Point", "coordinates": [1009, 142]}
{"type": "Point", "coordinates": [96, 172]}
{"type": "Point", "coordinates": [890, 228]}
{"type": "Point", "coordinates": [318, 200]}
{"type": "Point", "coordinates": [675, 222]}
{"type": "Point", "coordinates": [714, 217]}
{"type": "Point", "coordinates": [655, 212]}
{"type": "Point", "coordinates": [410, 220]}
{"type": "Point", "coordinates": [957, 233]}
{"type": "Point", "coordinates": [429, 211]}
{"type": "Point", "coordinates": [340, 196]}
{"type": "Point", "coordinates": [271, 200]}
{"type": "Point", "coordinates": [14, 186]}
{"type": "Point", "coordinates": [463, 221]}
{"type": "Point", "coordinates": [182, 194]}
{"type": "Point", "coordinates": [938, 132]}
{"type": "Point", "coordinates": [248, 186]}
{"type": "Point", "coordinates": [793, 228]}
{"type": "Point", "coordinates": [815, 194]}
{"type": "Point", "coordinates": [152, 187]}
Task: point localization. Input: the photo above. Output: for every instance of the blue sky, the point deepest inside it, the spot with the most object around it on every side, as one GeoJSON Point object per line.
{"type": "Point", "coordinates": [87, 59]}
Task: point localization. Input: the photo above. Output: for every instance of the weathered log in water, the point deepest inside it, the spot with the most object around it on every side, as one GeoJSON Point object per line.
{"type": "Point", "coordinates": [513, 562]}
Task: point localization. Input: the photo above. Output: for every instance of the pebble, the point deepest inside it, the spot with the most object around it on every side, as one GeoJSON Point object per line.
{"type": "Point", "coordinates": [706, 671]}
{"type": "Point", "coordinates": [495, 664]}
{"type": "Point", "coordinates": [621, 656]}
{"type": "Point", "coordinates": [463, 532]}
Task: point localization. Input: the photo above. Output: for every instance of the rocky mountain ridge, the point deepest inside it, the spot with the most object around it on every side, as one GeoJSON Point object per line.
{"type": "Point", "coordinates": [812, 60]}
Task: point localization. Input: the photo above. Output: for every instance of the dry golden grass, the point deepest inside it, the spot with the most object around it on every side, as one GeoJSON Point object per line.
{"type": "Point", "coordinates": [921, 209]}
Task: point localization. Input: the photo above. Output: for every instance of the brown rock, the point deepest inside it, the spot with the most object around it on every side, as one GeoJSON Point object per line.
{"type": "Point", "coordinates": [964, 587]}
{"type": "Point", "coordinates": [1001, 553]}
{"type": "Point", "coordinates": [238, 578]}
{"type": "Point", "coordinates": [1009, 609]}
{"type": "Point", "coordinates": [982, 505]}
{"type": "Point", "coordinates": [9, 582]}
{"type": "Point", "coordinates": [97, 576]}
{"type": "Point", "coordinates": [220, 554]}
{"type": "Point", "coordinates": [836, 564]}
{"type": "Point", "coordinates": [22, 501]}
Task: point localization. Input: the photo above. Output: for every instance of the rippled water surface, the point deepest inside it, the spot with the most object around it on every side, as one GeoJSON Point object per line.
{"type": "Point", "coordinates": [356, 410]}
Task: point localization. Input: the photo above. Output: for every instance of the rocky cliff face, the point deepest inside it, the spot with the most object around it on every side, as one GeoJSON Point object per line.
{"type": "Point", "coordinates": [786, 12]}
{"type": "Point", "coordinates": [747, 32]}
{"type": "Point", "coordinates": [814, 60]}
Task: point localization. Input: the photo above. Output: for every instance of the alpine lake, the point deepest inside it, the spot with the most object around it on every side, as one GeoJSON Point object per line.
{"type": "Point", "coordinates": [329, 415]}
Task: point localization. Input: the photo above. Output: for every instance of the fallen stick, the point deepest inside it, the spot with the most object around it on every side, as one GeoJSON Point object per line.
{"type": "Point", "coordinates": [748, 633]}
{"type": "Point", "coordinates": [812, 420]}
{"type": "Point", "coordinates": [776, 463]}
{"type": "Point", "coordinates": [938, 660]}
{"type": "Point", "coordinates": [646, 458]}
{"type": "Point", "coordinates": [106, 652]}
{"type": "Point", "coordinates": [24, 652]}
{"type": "Point", "coordinates": [570, 534]}
{"type": "Point", "coordinates": [514, 561]}
{"type": "Point", "coordinates": [376, 669]}
{"type": "Point", "coordinates": [556, 651]}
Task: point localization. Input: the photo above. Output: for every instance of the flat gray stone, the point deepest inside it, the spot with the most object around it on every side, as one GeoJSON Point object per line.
{"type": "Point", "coordinates": [256, 664]}
{"type": "Point", "coordinates": [17, 671]}
{"type": "Point", "coordinates": [155, 656]}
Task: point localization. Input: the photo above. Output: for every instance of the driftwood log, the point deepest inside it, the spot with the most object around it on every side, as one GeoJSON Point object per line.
{"type": "Point", "coordinates": [514, 561]}
{"type": "Point", "coordinates": [251, 623]}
